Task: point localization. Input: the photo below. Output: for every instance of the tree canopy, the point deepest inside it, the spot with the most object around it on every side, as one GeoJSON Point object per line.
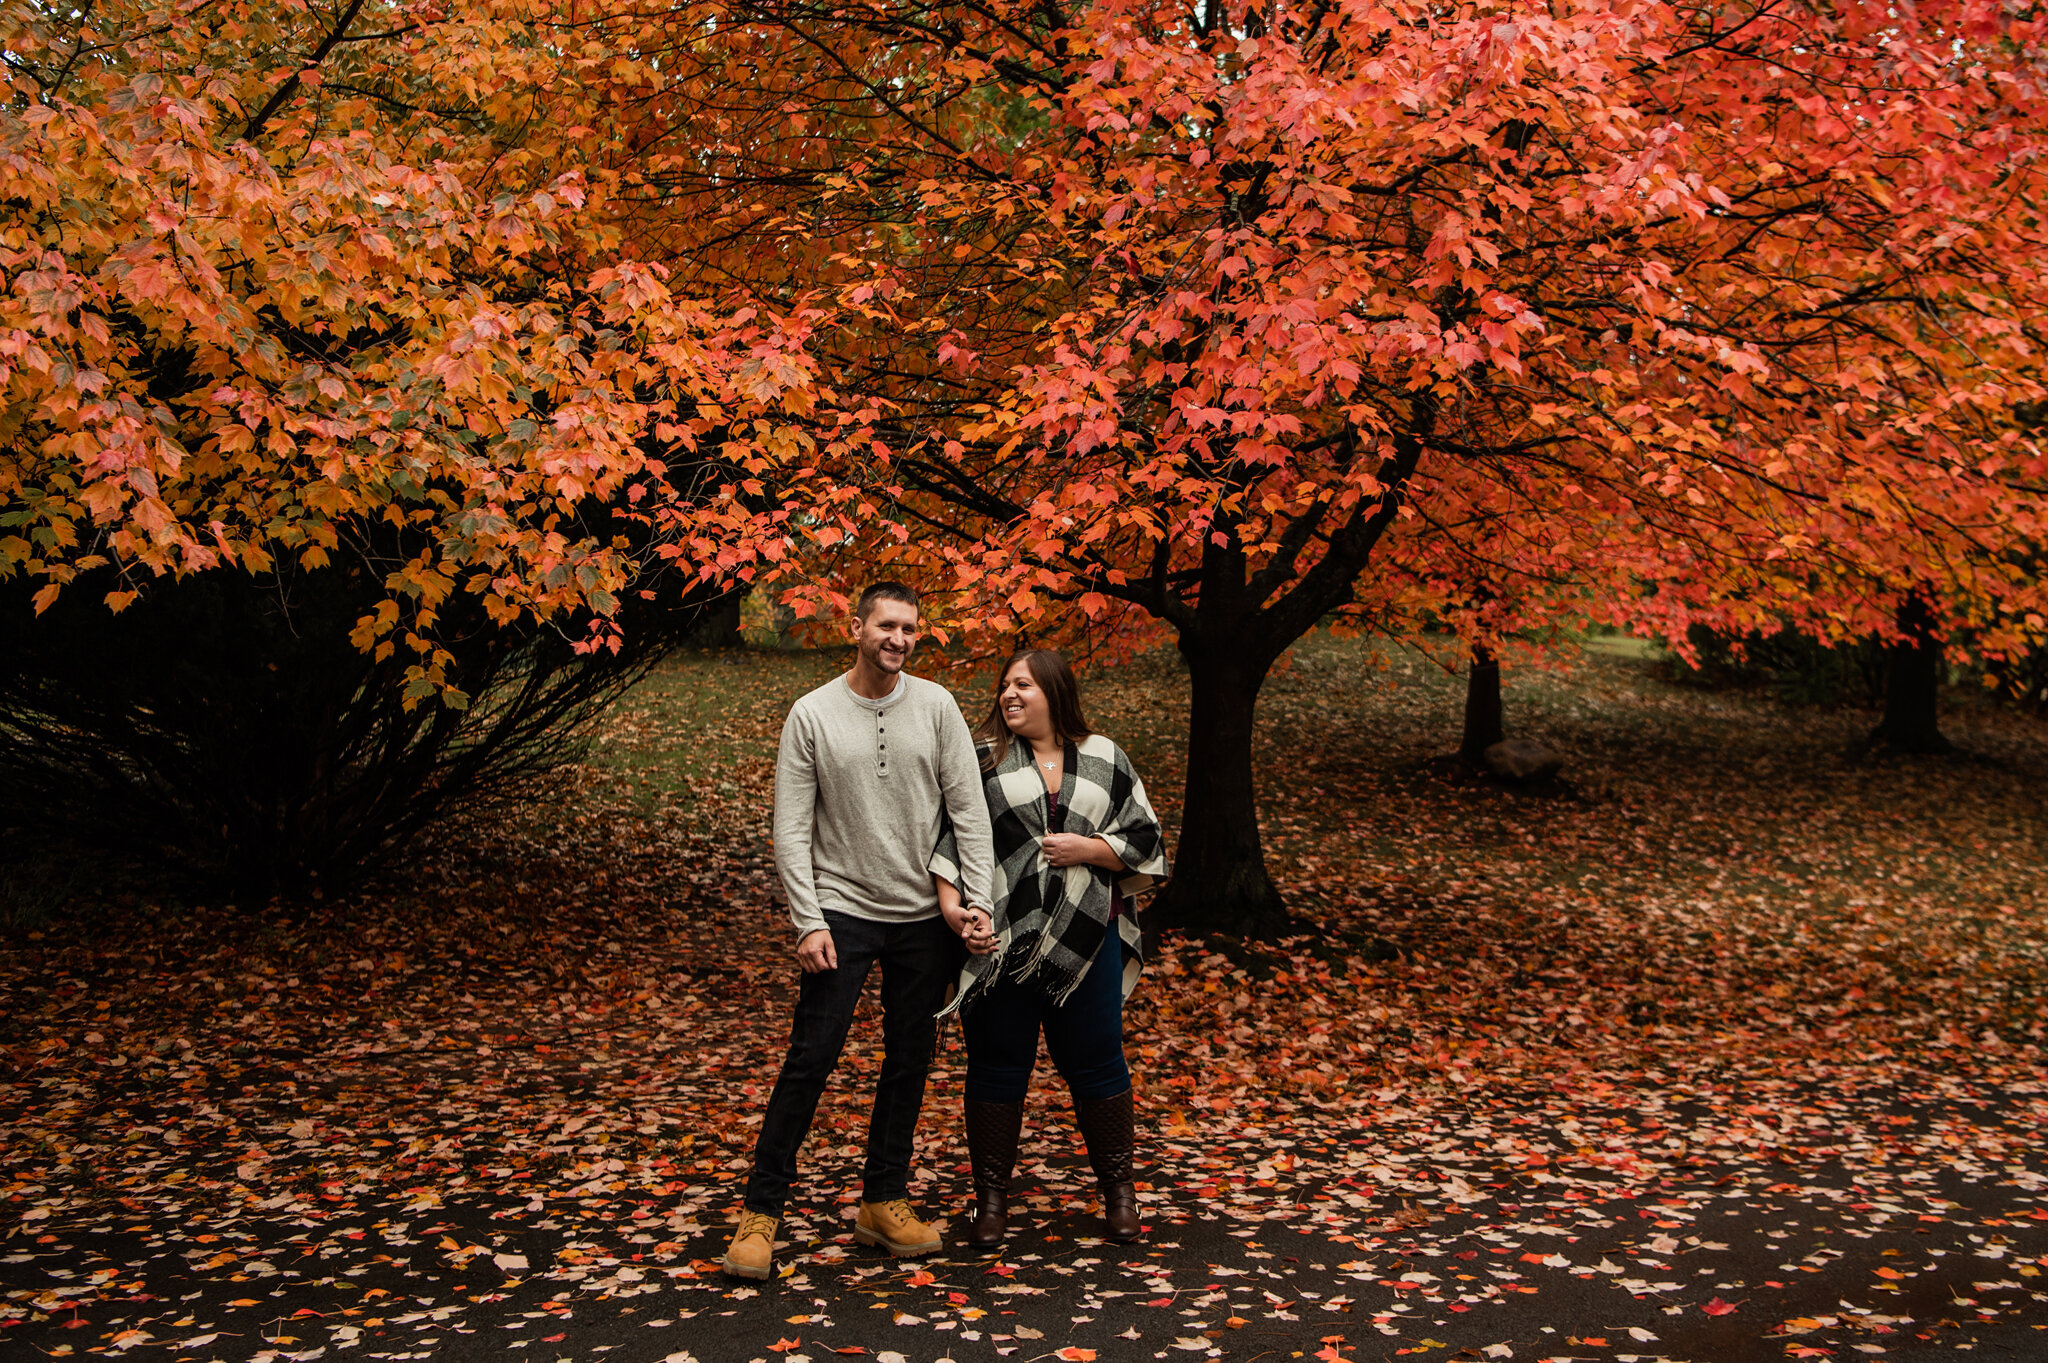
{"type": "Point", "coordinates": [280, 272]}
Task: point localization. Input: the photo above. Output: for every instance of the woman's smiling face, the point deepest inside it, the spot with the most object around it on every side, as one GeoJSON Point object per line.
{"type": "Point", "coordinates": [1023, 704]}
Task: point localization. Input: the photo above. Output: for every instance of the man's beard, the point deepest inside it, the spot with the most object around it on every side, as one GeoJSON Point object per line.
{"type": "Point", "coordinates": [885, 662]}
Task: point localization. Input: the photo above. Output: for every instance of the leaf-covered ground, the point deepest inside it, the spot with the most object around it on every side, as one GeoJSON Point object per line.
{"type": "Point", "coordinates": [1732, 1050]}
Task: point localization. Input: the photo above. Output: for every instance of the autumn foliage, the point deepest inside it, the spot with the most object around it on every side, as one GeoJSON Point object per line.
{"type": "Point", "coordinates": [1737, 299]}
{"type": "Point", "coordinates": [280, 272]}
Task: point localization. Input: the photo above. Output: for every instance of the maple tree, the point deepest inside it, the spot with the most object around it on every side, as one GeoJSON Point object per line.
{"type": "Point", "coordinates": [1210, 322]}
{"type": "Point", "coordinates": [281, 273]}
{"type": "Point", "coordinates": [1483, 724]}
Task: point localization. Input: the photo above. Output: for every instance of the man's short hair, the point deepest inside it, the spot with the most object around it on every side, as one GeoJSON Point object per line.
{"type": "Point", "coordinates": [885, 591]}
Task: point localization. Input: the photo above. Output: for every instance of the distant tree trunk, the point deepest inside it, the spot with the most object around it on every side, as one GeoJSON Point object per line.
{"type": "Point", "coordinates": [721, 627]}
{"type": "Point", "coordinates": [1912, 683]}
{"type": "Point", "coordinates": [1483, 724]}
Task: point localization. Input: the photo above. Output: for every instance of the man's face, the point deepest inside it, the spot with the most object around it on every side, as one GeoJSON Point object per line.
{"type": "Point", "coordinates": [885, 639]}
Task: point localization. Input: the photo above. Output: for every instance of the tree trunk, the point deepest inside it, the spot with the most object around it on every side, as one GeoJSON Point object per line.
{"type": "Point", "coordinates": [1234, 629]}
{"type": "Point", "coordinates": [721, 623]}
{"type": "Point", "coordinates": [1482, 706]}
{"type": "Point", "coordinates": [1912, 684]}
{"type": "Point", "coordinates": [1219, 867]}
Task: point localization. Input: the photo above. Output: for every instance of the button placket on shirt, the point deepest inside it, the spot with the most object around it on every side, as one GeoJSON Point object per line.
{"type": "Point", "coordinates": [881, 744]}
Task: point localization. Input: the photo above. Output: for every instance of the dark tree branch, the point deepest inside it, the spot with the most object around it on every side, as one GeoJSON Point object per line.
{"type": "Point", "coordinates": [290, 84]}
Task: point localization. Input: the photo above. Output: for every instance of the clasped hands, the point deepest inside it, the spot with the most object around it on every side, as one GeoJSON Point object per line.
{"type": "Point", "coordinates": [974, 927]}
{"type": "Point", "coordinates": [817, 953]}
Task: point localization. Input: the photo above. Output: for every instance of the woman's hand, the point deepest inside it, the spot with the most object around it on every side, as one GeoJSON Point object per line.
{"type": "Point", "coordinates": [1062, 850]}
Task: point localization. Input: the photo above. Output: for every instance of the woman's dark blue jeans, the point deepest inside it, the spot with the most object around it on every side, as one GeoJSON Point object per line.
{"type": "Point", "coordinates": [1084, 1035]}
{"type": "Point", "coordinates": [918, 961]}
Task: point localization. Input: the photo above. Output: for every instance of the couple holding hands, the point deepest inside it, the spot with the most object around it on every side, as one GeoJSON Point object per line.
{"type": "Point", "coordinates": [901, 839]}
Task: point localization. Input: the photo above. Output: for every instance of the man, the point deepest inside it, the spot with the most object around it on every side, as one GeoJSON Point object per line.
{"type": "Point", "coordinates": [870, 765]}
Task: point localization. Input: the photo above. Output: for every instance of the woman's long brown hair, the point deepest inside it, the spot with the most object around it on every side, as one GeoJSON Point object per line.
{"type": "Point", "coordinates": [1062, 703]}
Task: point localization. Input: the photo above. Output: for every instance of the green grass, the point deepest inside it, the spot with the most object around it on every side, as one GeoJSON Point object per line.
{"type": "Point", "coordinates": [704, 719]}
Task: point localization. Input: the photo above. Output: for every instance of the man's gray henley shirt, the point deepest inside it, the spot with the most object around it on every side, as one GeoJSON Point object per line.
{"type": "Point", "coordinates": [860, 788]}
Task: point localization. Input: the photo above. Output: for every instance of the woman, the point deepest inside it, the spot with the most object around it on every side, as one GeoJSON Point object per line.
{"type": "Point", "coordinates": [1074, 834]}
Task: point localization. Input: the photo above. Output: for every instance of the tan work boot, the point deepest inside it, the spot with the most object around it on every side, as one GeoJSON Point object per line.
{"type": "Point", "coordinates": [752, 1252]}
{"type": "Point", "coordinates": [894, 1226]}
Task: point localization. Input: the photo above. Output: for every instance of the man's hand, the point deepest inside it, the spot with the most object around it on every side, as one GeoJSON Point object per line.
{"type": "Point", "coordinates": [973, 926]}
{"type": "Point", "coordinates": [816, 952]}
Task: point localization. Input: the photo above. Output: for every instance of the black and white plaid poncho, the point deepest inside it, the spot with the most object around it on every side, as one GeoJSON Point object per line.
{"type": "Point", "coordinates": [1050, 923]}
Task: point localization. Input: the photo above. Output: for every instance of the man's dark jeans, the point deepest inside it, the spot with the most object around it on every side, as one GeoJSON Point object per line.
{"type": "Point", "coordinates": [918, 961]}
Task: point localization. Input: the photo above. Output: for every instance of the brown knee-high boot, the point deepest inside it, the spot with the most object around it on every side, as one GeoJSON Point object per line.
{"type": "Point", "coordinates": [1108, 1127]}
{"type": "Point", "coordinates": [992, 1149]}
